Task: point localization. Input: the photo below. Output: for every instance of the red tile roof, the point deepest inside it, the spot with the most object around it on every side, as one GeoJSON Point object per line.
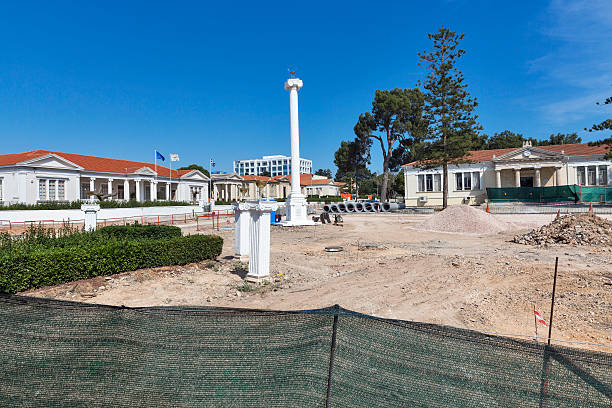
{"type": "Point", "coordinates": [92, 163]}
{"type": "Point", "coordinates": [250, 177]}
{"type": "Point", "coordinates": [307, 180]}
{"type": "Point", "coordinates": [577, 149]}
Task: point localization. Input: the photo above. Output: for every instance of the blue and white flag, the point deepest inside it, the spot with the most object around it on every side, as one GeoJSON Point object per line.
{"type": "Point", "coordinates": [159, 156]}
{"type": "Point", "coordinates": [212, 163]}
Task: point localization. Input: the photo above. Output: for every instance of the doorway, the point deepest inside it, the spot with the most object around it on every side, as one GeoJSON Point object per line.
{"type": "Point", "coordinates": [527, 181]}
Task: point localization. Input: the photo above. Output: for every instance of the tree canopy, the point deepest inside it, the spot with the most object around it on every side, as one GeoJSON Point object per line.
{"type": "Point", "coordinates": [324, 172]}
{"type": "Point", "coordinates": [351, 158]}
{"type": "Point", "coordinates": [601, 127]}
{"type": "Point", "coordinates": [195, 167]}
{"type": "Point", "coordinates": [396, 116]}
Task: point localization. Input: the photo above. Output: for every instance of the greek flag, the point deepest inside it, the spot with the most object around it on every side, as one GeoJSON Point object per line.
{"type": "Point", "coordinates": [212, 163]}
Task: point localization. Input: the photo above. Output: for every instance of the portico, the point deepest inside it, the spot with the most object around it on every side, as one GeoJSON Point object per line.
{"type": "Point", "coordinates": [226, 187]}
{"type": "Point", "coordinates": [529, 167]}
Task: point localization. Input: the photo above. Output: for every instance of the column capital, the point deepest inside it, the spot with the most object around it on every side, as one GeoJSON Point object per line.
{"type": "Point", "coordinates": [293, 83]}
{"type": "Point", "coordinates": [92, 179]}
{"type": "Point", "coordinates": [110, 179]}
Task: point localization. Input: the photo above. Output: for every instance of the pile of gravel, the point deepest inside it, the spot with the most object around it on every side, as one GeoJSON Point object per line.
{"type": "Point", "coordinates": [574, 229]}
{"type": "Point", "coordinates": [464, 219]}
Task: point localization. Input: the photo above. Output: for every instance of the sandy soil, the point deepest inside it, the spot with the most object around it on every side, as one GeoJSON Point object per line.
{"type": "Point", "coordinates": [390, 269]}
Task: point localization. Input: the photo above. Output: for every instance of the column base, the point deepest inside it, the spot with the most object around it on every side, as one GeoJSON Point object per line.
{"type": "Point", "coordinates": [258, 279]}
{"type": "Point", "coordinates": [297, 212]}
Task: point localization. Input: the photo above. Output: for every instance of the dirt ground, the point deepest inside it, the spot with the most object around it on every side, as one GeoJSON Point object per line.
{"type": "Point", "coordinates": [389, 269]}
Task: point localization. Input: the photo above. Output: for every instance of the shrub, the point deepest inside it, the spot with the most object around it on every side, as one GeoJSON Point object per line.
{"type": "Point", "coordinates": [139, 231]}
{"type": "Point", "coordinates": [23, 270]}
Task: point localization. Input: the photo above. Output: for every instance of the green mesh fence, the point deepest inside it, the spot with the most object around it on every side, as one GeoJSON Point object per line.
{"type": "Point", "coordinates": [550, 194]}
{"type": "Point", "coordinates": [58, 354]}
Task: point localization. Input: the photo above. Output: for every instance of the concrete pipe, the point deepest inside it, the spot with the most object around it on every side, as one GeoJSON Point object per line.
{"type": "Point", "coordinates": [390, 207]}
{"type": "Point", "coordinates": [342, 207]}
{"type": "Point", "coordinates": [359, 207]}
{"type": "Point", "coordinates": [401, 205]}
{"type": "Point", "coordinates": [376, 207]}
{"type": "Point", "coordinates": [326, 208]}
{"type": "Point", "coordinates": [350, 206]}
{"type": "Point", "coordinates": [334, 208]}
{"type": "Point", "coordinates": [368, 207]}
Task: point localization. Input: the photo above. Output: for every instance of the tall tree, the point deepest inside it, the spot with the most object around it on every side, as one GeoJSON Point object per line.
{"type": "Point", "coordinates": [449, 107]}
{"type": "Point", "coordinates": [324, 172]}
{"type": "Point", "coordinates": [195, 167]}
{"type": "Point", "coordinates": [352, 159]}
{"type": "Point", "coordinates": [397, 115]}
{"type": "Point", "coordinates": [603, 126]}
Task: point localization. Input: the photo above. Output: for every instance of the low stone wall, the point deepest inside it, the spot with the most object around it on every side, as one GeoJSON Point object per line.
{"type": "Point", "coordinates": [104, 213]}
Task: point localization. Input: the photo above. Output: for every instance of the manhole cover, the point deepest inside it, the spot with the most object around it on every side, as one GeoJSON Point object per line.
{"type": "Point", "coordinates": [333, 248]}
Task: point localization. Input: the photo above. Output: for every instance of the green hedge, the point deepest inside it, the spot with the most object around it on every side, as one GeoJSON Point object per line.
{"type": "Point", "coordinates": [63, 205]}
{"type": "Point", "coordinates": [21, 271]}
{"type": "Point", "coordinates": [139, 231]}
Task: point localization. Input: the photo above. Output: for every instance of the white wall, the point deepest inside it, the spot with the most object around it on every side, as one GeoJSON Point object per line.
{"type": "Point", "coordinates": [105, 213]}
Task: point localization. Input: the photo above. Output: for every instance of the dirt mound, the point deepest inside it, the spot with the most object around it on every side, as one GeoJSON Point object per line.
{"type": "Point", "coordinates": [574, 229]}
{"type": "Point", "coordinates": [464, 219]}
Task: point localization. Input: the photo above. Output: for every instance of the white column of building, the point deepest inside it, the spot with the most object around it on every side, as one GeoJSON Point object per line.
{"type": "Point", "coordinates": [138, 190]}
{"type": "Point", "coordinates": [168, 190]}
{"type": "Point", "coordinates": [126, 189]}
{"type": "Point", "coordinates": [110, 188]}
{"type": "Point", "coordinates": [153, 187]}
{"type": "Point", "coordinates": [517, 177]}
{"type": "Point", "coordinates": [538, 181]}
{"type": "Point", "coordinates": [498, 178]}
{"type": "Point", "coordinates": [92, 186]}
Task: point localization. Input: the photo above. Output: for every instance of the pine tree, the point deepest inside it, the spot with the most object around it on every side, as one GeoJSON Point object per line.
{"type": "Point", "coordinates": [449, 108]}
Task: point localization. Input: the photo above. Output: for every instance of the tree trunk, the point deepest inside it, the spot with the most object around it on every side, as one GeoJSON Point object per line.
{"type": "Point", "coordinates": [445, 184]}
{"type": "Point", "coordinates": [385, 182]}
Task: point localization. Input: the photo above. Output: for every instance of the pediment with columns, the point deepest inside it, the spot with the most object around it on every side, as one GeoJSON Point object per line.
{"type": "Point", "coordinates": [530, 156]}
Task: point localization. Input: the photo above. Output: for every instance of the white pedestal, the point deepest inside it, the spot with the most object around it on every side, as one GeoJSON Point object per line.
{"type": "Point", "coordinates": [259, 238]}
{"type": "Point", "coordinates": [91, 216]}
{"type": "Point", "coordinates": [242, 221]}
{"type": "Point", "coordinates": [297, 211]}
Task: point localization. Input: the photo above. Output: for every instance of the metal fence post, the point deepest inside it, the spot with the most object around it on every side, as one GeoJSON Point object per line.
{"type": "Point", "coordinates": [332, 354]}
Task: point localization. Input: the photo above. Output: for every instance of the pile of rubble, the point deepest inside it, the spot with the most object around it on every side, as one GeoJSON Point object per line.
{"type": "Point", "coordinates": [574, 229]}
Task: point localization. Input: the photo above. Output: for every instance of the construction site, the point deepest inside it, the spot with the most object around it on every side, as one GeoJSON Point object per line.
{"type": "Point", "coordinates": [461, 267]}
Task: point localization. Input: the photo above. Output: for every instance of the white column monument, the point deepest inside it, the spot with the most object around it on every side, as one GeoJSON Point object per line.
{"type": "Point", "coordinates": [242, 224]}
{"type": "Point", "coordinates": [91, 215]}
{"type": "Point", "coordinates": [259, 238]}
{"type": "Point", "coordinates": [296, 202]}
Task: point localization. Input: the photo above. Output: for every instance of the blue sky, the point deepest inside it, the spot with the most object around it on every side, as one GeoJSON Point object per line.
{"type": "Point", "coordinates": [202, 79]}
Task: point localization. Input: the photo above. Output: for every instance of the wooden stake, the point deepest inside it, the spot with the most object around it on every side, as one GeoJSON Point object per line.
{"type": "Point", "coordinates": [552, 301]}
{"type": "Point", "coordinates": [535, 320]}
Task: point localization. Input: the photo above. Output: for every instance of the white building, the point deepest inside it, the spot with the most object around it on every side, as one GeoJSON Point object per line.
{"type": "Point", "coordinates": [276, 165]}
{"type": "Point", "coordinates": [577, 164]}
{"type": "Point", "coordinates": [42, 175]}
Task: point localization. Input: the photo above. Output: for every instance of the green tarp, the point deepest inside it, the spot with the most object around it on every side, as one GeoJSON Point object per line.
{"type": "Point", "coordinates": [571, 193]}
{"type": "Point", "coordinates": [63, 354]}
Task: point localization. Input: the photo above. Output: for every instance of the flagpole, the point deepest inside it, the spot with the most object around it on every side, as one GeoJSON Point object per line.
{"type": "Point", "coordinates": [210, 181]}
{"type": "Point", "coordinates": [170, 190]}
{"type": "Point", "coordinates": [155, 154]}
